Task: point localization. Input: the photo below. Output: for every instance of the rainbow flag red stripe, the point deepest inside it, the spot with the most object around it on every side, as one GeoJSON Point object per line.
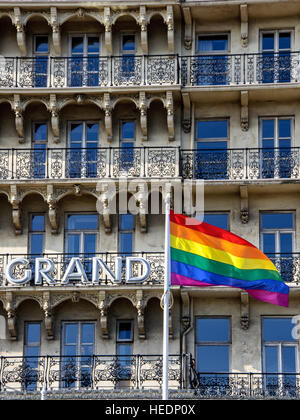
{"type": "Point", "coordinates": [205, 255]}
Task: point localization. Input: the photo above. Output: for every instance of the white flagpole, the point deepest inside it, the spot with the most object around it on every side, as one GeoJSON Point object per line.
{"type": "Point", "coordinates": [166, 299]}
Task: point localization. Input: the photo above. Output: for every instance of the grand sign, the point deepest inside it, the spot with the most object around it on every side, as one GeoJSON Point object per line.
{"type": "Point", "coordinates": [44, 267]}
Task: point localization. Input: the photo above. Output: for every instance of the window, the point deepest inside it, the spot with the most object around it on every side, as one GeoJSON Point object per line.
{"type": "Point", "coordinates": [277, 240]}
{"type": "Point", "coordinates": [280, 355]}
{"type": "Point", "coordinates": [78, 342]}
{"type": "Point", "coordinates": [124, 347]}
{"type": "Point", "coordinates": [32, 342]}
{"type": "Point", "coordinates": [211, 157]}
{"type": "Point", "coordinates": [84, 62]}
{"type": "Point", "coordinates": [81, 238]}
{"type": "Point", "coordinates": [39, 145]}
{"type": "Point", "coordinates": [126, 232]}
{"type": "Point", "coordinates": [276, 136]}
{"type": "Point", "coordinates": [276, 56]}
{"type": "Point", "coordinates": [127, 151]}
{"type": "Point", "coordinates": [213, 339]}
{"type": "Point", "coordinates": [128, 58]}
{"type": "Point", "coordinates": [212, 63]}
{"type": "Point", "coordinates": [220, 220]}
{"type": "Point", "coordinates": [40, 52]}
{"type": "Point", "coordinates": [36, 234]}
{"type": "Point", "coordinates": [83, 149]}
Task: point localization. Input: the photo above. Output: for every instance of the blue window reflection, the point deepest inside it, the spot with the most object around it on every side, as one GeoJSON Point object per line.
{"type": "Point", "coordinates": [31, 353]}
{"type": "Point", "coordinates": [217, 219]}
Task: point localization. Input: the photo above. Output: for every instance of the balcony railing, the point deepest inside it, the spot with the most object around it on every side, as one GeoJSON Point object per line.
{"type": "Point", "coordinates": [288, 266]}
{"type": "Point", "coordinates": [241, 164]}
{"type": "Point", "coordinates": [240, 69]}
{"type": "Point", "coordinates": [91, 372]}
{"type": "Point", "coordinates": [62, 260]}
{"type": "Point", "coordinates": [150, 162]}
{"type": "Point", "coordinates": [91, 71]}
{"type": "Point", "coordinates": [247, 385]}
{"type": "Point", "coordinates": [105, 162]}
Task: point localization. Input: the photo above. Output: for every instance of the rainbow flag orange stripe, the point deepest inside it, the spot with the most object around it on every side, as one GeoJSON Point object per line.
{"type": "Point", "coordinates": [205, 255]}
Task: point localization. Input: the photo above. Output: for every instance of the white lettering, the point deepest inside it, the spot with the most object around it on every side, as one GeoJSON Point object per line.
{"type": "Point", "coordinates": [41, 272]}
{"type": "Point", "coordinates": [70, 274]}
{"type": "Point", "coordinates": [129, 274]}
{"type": "Point", "coordinates": [114, 277]}
{"type": "Point", "coordinates": [9, 271]}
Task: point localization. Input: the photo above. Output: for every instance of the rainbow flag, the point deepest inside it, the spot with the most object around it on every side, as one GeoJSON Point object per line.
{"type": "Point", "coordinates": [205, 255]}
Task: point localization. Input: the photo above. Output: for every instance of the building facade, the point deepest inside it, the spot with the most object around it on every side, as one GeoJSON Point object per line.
{"type": "Point", "coordinates": [106, 102]}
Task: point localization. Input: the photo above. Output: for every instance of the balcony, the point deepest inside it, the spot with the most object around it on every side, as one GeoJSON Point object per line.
{"type": "Point", "coordinates": [61, 261]}
{"type": "Point", "coordinates": [106, 162]}
{"type": "Point", "coordinates": [251, 164]}
{"type": "Point", "coordinates": [240, 69]}
{"type": "Point", "coordinates": [288, 266]}
{"type": "Point", "coordinates": [91, 372]}
{"type": "Point", "coordinates": [87, 72]}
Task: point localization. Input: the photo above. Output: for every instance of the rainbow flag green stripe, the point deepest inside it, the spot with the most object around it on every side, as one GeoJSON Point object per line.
{"type": "Point", "coordinates": [203, 255]}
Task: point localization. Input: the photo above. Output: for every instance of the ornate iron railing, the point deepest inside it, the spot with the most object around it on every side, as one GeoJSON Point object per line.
{"type": "Point", "coordinates": [240, 69]}
{"type": "Point", "coordinates": [247, 385]}
{"type": "Point", "coordinates": [241, 164]}
{"type": "Point", "coordinates": [105, 162]}
{"type": "Point", "coordinates": [88, 71]}
{"type": "Point", "coordinates": [150, 162]}
{"type": "Point", "coordinates": [62, 260]}
{"type": "Point", "coordinates": [288, 266]}
{"type": "Point", "coordinates": [96, 372]}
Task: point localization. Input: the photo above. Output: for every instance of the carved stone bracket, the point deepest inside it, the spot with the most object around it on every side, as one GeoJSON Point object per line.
{"type": "Point", "coordinates": [103, 307]}
{"type": "Point", "coordinates": [244, 214]}
{"type": "Point", "coordinates": [108, 115]}
{"type": "Point", "coordinates": [53, 108]}
{"type": "Point", "coordinates": [16, 209]}
{"type": "Point", "coordinates": [52, 212]}
{"type": "Point", "coordinates": [11, 315]}
{"type": "Point", "coordinates": [143, 23]}
{"type": "Point", "coordinates": [170, 24]}
{"type": "Point", "coordinates": [244, 110]}
{"type": "Point", "coordinates": [186, 123]}
{"type": "Point", "coordinates": [244, 24]}
{"type": "Point", "coordinates": [21, 37]}
{"type": "Point", "coordinates": [187, 28]}
{"type": "Point", "coordinates": [244, 310]}
{"type": "Point", "coordinates": [186, 315]}
{"type": "Point", "coordinates": [19, 120]}
{"type": "Point", "coordinates": [104, 209]}
{"type": "Point", "coordinates": [143, 118]}
{"type": "Point", "coordinates": [170, 115]}
{"type": "Point", "coordinates": [56, 38]}
{"type": "Point", "coordinates": [108, 26]}
{"type": "Point", "coordinates": [140, 306]}
{"type": "Point", "coordinates": [48, 316]}
{"type": "Point", "coordinates": [142, 201]}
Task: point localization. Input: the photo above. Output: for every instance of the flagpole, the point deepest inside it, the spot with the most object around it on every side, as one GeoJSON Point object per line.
{"type": "Point", "coordinates": [166, 299]}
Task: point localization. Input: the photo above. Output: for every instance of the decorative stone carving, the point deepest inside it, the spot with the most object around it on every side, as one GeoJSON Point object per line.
{"type": "Point", "coordinates": [108, 115]}
{"type": "Point", "coordinates": [140, 306]}
{"type": "Point", "coordinates": [143, 117]}
{"type": "Point", "coordinates": [53, 108]}
{"type": "Point", "coordinates": [108, 24]}
{"type": "Point", "coordinates": [55, 31]}
{"type": "Point", "coordinates": [244, 214]}
{"type": "Point", "coordinates": [52, 212]}
{"type": "Point", "coordinates": [19, 120]}
{"type": "Point", "coordinates": [244, 310]}
{"type": "Point", "coordinates": [244, 110]}
{"type": "Point", "coordinates": [21, 37]}
{"type": "Point", "coordinates": [11, 315]}
{"type": "Point", "coordinates": [244, 25]}
{"type": "Point", "coordinates": [16, 210]}
{"type": "Point", "coordinates": [170, 25]}
{"type": "Point", "coordinates": [170, 115]}
{"type": "Point", "coordinates": [144, 35]}
{"type": "Point", "coordinates": [188, 27]}
{"type": "Point", "coordinates": [103, 306]}
{"type": "Point", "coordinates": [48, 316]}
{"type": "Point", "coordinates": [186, 123]}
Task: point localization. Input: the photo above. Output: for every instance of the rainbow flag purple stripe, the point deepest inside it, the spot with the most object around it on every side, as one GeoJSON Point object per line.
{"type": "Point", "coordinates": [204, 255]}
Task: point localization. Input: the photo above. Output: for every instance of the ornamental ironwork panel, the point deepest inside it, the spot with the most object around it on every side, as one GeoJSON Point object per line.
{"type": "Point", "coordinates": [161, 70]}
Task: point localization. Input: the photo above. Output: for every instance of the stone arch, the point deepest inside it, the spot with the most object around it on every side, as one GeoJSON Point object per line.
{"type": "Point", "coordinates": [81, 14]}
{"type": "Point", "coordinates": [121, 14]}
{"type": "Point", "coordinates": [44, 16]}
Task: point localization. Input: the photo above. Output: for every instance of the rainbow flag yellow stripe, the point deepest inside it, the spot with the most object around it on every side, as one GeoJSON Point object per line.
{"type": "Point", "coordinates": [204, 255]}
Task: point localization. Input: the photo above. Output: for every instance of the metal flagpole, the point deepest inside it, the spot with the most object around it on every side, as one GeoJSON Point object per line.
{"type": "Point", "coordinates": [166, 299]}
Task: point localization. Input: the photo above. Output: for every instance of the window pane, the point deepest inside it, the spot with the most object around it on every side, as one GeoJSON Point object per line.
{"type": "Point", "coordinates": [37, 243]}
{"type": "Point", "coordinates": [126, 243]}
{"type": "Point", "coordinates": [268, 129]}
{"type": "Point", "coordinates": [73, 244]}
{"type": "Point", "coordinates": [40, 132]}
{"type": "Point", "coordinates": [41, 44]}
{"type": "Point", "coordinates": [288, 359]}
{"type": "Point", "coordinates": [124, 349]}
{"type": "Point", "coordinates": [77, 45]}
{"type": "Point", "coordinates": [218, 220]}
{"type": "Point", "coordinates": [82, 221]}
{"type": "Point", "coordinates": [87, 333]}
{"type": "Point", "coordinates": [284, 40]}
{"type": "Point", "coordinates": [271, 355]}
{"type": "Point", "coordinates": [268, 42]}
{"type": "Point", "coordinates": [212, 145]}
{"type": "Point", "coordinates": [277, 329]}
{"type": "Point", "coordinates": [212, 330]}
{"type": "Point", "coordinates": [286, 242]}
{"type": "Point", "coordinates": [126, 222]}
{"type": "Point", "coordinates": [212, 358]}
{"type": "Point", "coordinates": [213, 43]}
{"type": "Point", "coordinates": [128, 43]}
{"type": "Point", "coordinates": [269, 246]}
{"type": "Point", "coordinates": [92, 132]}
{"type": "Point", "coordinates": [71, 333]}
{"type": "Point", "coordinates": [33, 333]}
{"type": "Point", "coordinates": [124, 331]}
{"type": "Point", "coordinates": [76, 132]}
{"type": "Point", "coordinates": [89, 243]}
{"type": "Point", "coordinates": [284, 127]}
{"type": "Point", "coordinates": [277, 220]}
{"type": "Point", "coordinates": [212, 129]}
{"type": "Point", "coordinates": [93, 44]}
{"type": "Point", "coordinates": [37, 223]}
{"type": "Point", "coordinates": [128, 130]}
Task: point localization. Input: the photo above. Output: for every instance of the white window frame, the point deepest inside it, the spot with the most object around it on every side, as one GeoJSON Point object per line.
{"type": "Point", "coordinates": [276, 33]}
{"type": "Point", "coordinates": [276, 129]}
{"type": "Point", "coordinates": [277, 231]}
{"type": "Point", "coordinates": [80, 232]}
{"type": "Point", "coordinates": [220, 52]}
